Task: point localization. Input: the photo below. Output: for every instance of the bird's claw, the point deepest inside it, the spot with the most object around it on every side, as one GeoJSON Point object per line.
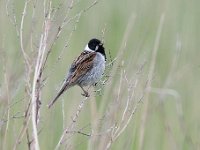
{"type": "Point", "coordinates": [86, 94]}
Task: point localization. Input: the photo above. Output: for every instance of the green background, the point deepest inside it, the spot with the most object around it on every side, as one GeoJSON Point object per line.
{"type": "Point", "coordinates": [132, 30]}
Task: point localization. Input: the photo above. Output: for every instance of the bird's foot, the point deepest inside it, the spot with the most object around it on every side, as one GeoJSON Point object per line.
{"type": "Point", "coordinates": [95, 85]}
{"type": "Point", "coordinates": [86, 94]}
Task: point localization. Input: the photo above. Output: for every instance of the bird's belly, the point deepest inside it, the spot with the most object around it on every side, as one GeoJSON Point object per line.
{"type": "Point", "coordinates": [95, 74]}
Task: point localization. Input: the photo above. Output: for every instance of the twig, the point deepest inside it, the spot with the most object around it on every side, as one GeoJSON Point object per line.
{"type": "Point", "coordinates": [66, 21]}
{"type": "Point", "coordinates": [103, 34]}
{"type": "Point", "coordinates": [71, 126]}
{"type": "Point", "coordinates": [24, 127]}
{"type": "Point", "coordinates": [150, 76]}
{"type": "Point", "coordinates": [12, 20]}
{"type": "Point", "coordinates": [63, 113]}
{"type": "Point", "coordinates": [122, 48]}
{"type": "Point", "coordinates": [21, 35]}
{"type": "Point", "coordinates": [28, 139]}
{"type": "Point", "coordinates": [7, 97]}
{"type": "Point", "coordinates": [37, 82]}
{"type": "Point", "coordinates": [120, 127]}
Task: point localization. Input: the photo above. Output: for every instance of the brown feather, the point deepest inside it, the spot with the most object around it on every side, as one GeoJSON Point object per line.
{"type": "Point", "coordinates": [80, 66]}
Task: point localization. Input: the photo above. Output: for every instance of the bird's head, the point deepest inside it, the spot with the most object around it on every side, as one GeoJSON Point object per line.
{"type": "Point", "coordinates": [95, 45]}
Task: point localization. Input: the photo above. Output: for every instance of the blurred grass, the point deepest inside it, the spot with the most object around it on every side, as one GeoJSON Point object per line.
{"type": "Point", "coordinates": [172, 117]}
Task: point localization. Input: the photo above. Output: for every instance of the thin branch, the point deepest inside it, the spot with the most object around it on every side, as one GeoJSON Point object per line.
{"type": "Point", "coordinates": [128, 112]}
{"type": "Point", "coordinates": [21, 34]}
{"type": "Point", "coordinates": [37, 81]}
{"type": "Point", "coordinates": [12, 20]}
{"type": "Point", "coordinates": [103, 34]}
{"type": "Point", "coordinates": [63, 112]}
{"type": "Point", "coordinates": [150, 76]}
{"type": "Point", "coordinates": [66, 21]}
{"type": "Point", "coordinates": [71, 126]}
{"type": "Point", "coordinates": [24, 127]}
{"type": "Point", "coordinates": [7, 97]}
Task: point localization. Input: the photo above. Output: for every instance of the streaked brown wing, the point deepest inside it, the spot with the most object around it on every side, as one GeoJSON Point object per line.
{"type": "Point", "coordinates": [81, 65]}
{"type": "Point", "coordinates": [78, 68]}
{"type": "Point", "coordinates": [82, 57]}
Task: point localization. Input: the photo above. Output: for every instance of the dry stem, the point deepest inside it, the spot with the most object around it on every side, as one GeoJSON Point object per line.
{"type": "Point", "coordinates": [150, 76]}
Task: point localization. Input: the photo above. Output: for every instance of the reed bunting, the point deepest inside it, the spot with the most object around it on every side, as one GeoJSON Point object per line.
{"type": "Point", "coordinates": [86, 70]}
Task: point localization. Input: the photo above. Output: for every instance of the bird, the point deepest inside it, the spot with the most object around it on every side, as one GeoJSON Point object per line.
{"type": "Point", "coordinates": [86, 70]}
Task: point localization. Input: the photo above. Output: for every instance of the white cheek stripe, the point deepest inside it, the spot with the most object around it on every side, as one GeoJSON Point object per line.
{"type": "Point", "coordinates": [96, 48]}
{"type": "Point", "coordinates": [88, 49]}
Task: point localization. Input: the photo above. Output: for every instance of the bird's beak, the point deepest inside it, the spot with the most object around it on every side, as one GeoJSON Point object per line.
{"type": "Point", "coordinates": [101, 44]}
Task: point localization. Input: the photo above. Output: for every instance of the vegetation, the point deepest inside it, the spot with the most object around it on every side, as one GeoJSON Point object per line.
{"type": "Point", "coordinates": [147, 99]}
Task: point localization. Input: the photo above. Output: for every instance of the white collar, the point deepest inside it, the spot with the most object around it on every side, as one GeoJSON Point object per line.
{"type": "Point", "coordinates": [88, 49]}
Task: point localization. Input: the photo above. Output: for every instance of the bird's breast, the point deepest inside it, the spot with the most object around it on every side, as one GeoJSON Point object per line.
{"type": "Point", "coordinates": [96, 72]}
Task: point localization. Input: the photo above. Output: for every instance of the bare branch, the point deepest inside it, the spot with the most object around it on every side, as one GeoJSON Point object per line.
{"type": "Point", "coordinates": [26, 58]}
{"type": "Point", "coordinates": [12, 20]}
{"type": "Point", "coordinates": [150, 76]}
{"type": "Point", "coordinates": [71, 126]}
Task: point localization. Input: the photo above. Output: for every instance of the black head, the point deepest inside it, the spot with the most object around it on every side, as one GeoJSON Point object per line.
{"type": "Point", "coordinates": [96, 45]}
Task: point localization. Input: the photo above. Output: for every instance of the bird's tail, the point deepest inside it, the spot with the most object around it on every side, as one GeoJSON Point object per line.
{"type": "Point", "coordinates": [64, 87]}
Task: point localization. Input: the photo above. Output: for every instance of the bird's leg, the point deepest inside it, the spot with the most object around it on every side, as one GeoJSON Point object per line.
{"type": "Point", "coordinates": [97, 89]}
{"type": "Point", "coordinates": [86, 94]}
{"type": "Point", "coordinates": [95, 84]}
